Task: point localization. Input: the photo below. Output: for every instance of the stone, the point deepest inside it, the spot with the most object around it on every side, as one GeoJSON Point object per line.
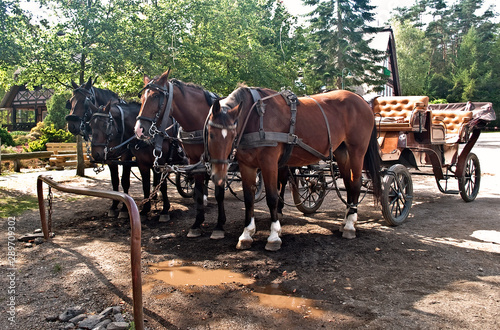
{"type": "Point", "coordinates": [107, 311]}
{"type": "Point", "coordinates": [39, 240]}
{"type": "Point", "coordinates": [117, 326]}
{"type": "Point", "coordinates": [37, 231]}
{"type": "Point", "coordinates": [102, 325]}
{"type": "Point", "coordinates": [119, 318]}
{"type": "Point", "coordinates": [78, 318]}
{"type": "Point", "coordinates": [70, 313]}
{"type": "Point", "coordinates": [91, 321]}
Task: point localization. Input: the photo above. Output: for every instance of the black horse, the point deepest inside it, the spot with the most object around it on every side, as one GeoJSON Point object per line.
{"type": "Point", "coordinates": [113, 136]}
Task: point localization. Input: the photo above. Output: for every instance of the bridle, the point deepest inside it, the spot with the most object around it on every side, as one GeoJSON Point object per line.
{"type": "Point", "coordinates": [231, 127]}
{"type": "Point", "coordinates": [89, 106]}
{"type": "Point", "coordinates": [110, 124]}
{"type": "Point", "coordinates": [165, 108]}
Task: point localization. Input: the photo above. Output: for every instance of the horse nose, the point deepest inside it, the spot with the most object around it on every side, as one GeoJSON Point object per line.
{"type": "Point", "coordinates": [217, 179]}
{"type": "Point", "coordinates": [139, 130]}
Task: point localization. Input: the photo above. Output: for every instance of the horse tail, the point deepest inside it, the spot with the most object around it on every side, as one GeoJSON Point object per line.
{"type": "Point", "coordinates": [373, 163]}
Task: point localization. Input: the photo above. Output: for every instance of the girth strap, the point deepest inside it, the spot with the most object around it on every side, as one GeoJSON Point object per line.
{"type": "Point", "coordinates": [261, 110]}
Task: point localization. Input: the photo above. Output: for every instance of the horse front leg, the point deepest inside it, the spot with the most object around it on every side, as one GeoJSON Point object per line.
{"type": "Point", "coordinates": [218, 232]}
{"type": "Point", "coordinates": [164, 215]}
{"type": "Point", "coordinates": [115, 182]}
{"type": "Point", "coordinates": [274, 240]}
{"type": "Point", "coordinates": [125, 181]}
{"type": "Point", "coordinates": [146, 189]}
{"type": "Point", "coordinates": [248, 182]}
{"type": "Point", "coordinates": [199, 183]}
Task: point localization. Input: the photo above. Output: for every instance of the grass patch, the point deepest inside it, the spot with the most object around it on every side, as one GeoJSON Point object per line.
{"type": "Point", "coordinates": [14, 203]}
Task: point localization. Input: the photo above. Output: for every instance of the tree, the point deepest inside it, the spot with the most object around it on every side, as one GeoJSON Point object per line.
{"type": "Point", "coordinates": [56, 110]}
{"type": "Point", "coordinates": [413, 50]}
{"type": "Point", "coordinates": [339, 32]}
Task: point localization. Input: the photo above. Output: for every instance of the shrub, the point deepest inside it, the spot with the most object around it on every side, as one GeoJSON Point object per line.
{"type": "Point", "coordinates": [48, 133]}
{"type": "Point", "coordinates": [6, 137]}
{"type": "Point", "coordinates": [56, 110]}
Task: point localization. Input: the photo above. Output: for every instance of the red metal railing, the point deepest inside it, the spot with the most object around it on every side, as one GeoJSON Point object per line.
{"type": "Point", "coordinates": [135, 235]}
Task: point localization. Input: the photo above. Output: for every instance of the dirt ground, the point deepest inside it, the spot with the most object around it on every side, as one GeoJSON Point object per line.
{"type": "Point", "coordinates": [439, 270]}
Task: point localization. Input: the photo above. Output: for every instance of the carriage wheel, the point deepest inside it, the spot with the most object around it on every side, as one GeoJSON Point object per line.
{"type": "Point", "coordinates": [185, 184]}
{"type": "Point", "coordinates": [397, 195]}
{"type": "Point", "coordinates": [468, 184]}
{"type": "Point", "coordinates": [233, 183]}
{"type": "Point", "coordinates": [308, 189]}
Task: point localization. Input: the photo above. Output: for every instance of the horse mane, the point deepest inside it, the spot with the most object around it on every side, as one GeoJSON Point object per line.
{"type": "Point", "coordinates": [237, 96]}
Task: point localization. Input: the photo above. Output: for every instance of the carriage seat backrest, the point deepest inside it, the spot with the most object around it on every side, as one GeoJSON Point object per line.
{"type": "Point", "coordinates": [399, 107]}
{"type": "Point", "coordinates": [453, 120]}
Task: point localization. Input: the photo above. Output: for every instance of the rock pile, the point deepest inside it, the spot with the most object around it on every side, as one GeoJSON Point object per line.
{"type": "Point", "coordinates": [76, 317]}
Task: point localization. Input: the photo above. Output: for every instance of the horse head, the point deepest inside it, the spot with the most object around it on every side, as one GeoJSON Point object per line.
{"type": "Point", "coordinates": [81, 105]}
{"type": "Point", "coordinates": [221, 132]}
{"type": "Point", "coordinates": [153, 105]}
{"type": "Point", "coordinates": [105, 133]}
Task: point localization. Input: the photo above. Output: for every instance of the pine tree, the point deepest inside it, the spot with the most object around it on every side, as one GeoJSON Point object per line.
{"type": "Point", "coordinates": [340, 44]}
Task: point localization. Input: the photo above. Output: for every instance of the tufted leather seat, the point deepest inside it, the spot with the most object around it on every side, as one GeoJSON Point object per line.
{"type": "Point", "coordinates": [397, 113]}
{"type": "Point", "coordinates": [453, 122]}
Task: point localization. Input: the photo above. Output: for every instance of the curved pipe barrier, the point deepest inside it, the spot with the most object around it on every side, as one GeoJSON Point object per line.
{"type": "Point", "coordinates": [135, 235]}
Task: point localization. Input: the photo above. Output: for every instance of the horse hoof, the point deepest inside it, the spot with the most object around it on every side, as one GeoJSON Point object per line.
{"type": "Point", "coordinates": [349, 234]}
{"type": "Point", "coordinates": [164, 218]}
{"type": "Point", "coordinates": [244, 244]}
{"type": "Point", "coordinates": [217, 234]}
{"type": "Point", "coordinates": [273, 246]}
{"type": "Point", "coordinates": [112, 213]}
{"type": "Point", "coordinates": [194, 233]}
{"type": "Point", "coordinates": [122, 215]}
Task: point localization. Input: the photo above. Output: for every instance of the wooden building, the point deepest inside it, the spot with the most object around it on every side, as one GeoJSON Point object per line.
{"type": "Point", "coordinates": [22, 109]}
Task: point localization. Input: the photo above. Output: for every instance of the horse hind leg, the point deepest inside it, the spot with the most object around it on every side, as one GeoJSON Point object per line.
{"type": "Point", "coordinates": [348, 227]}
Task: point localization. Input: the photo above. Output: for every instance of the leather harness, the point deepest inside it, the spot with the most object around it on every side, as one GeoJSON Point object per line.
{"type": "Point", "coordinates": [271, 139]}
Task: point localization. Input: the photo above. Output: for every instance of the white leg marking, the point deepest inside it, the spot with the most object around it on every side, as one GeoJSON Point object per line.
{"type": "Point", "coordinates": [245, 240]}
{"type": "Point", "coordinates": [205, 200]}
{"type": "Point", "coordinates": [349, 227]}
{"type": "Point", "coordinates": [275, 232]}
{"type": "Point", "coordinates": [274, 240]}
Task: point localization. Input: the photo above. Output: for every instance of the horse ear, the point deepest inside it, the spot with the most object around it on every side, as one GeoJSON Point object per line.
{"type": "Point", "coordinates": [88, 85]}
{"type": "Point", "coordinates": [146, 79]}
{"type": "Point", "coordinates": [75, 86]}
{"type": "Point", "coordinates": [216, 107]}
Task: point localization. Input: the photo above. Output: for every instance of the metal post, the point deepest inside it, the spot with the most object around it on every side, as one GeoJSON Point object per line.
{"type": "Point", "coordinates": [135, 235]}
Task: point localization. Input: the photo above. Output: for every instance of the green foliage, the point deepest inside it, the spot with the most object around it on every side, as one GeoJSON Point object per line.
{"type": "Point", "coordinates": [48, 133]}
{"type": "Point", "coordinates": [6, 137]}
{"type": "Point", "coordinates": [56, 109]}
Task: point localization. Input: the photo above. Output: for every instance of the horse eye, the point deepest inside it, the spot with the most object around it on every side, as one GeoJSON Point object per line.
{"type": "Point", "coordinates": [211, 135]}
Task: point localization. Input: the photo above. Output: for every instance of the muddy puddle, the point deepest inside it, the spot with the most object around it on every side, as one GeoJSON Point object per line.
{"type": "Point", "coordinates": [180, 274]}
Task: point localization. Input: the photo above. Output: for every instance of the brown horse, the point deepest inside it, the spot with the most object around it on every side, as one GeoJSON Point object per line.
{"type": "Point", "coordinates": [113, 138]}
{"type": "Point", "coordinates": [189, 105]}
{"type": "Point", "coordinates": [269, 132]}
